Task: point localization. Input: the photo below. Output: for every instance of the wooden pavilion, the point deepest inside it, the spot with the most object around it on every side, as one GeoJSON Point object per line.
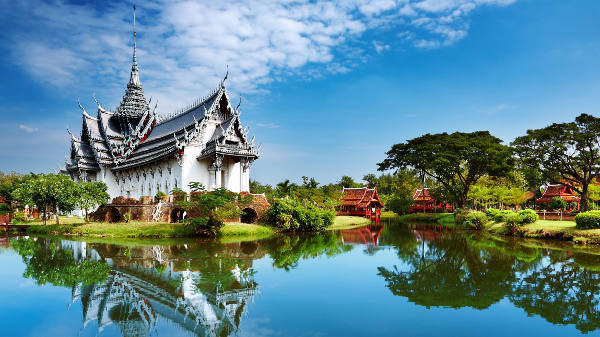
{"type": "Point", "coordinates": [362, 201]}
{"type": "Point", "coordinates": [424, 202]}
{"type": "Point", "coordinates": [559, 190]}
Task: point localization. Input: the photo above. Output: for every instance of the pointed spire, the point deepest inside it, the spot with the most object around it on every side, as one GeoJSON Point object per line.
{"type": "Point", "coordinates": [135, 76]}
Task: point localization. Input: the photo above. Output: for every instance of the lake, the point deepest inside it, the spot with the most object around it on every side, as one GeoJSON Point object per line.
{"type": "Point", "coordinates": [383, 279]}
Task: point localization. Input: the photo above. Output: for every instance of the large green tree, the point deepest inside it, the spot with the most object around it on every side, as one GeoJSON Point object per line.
{"type": "Point", "coordinates": [48, 191]}
{"type": "Point", "coordinates": [92, 194]}
{"type": "Point", "coordinates": [455, 161]}
{"type": "Point", "coordinates": [565, 153]}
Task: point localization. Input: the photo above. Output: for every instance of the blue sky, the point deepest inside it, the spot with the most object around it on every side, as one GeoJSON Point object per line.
{"type": "Point", "coordinates": [327, 87]}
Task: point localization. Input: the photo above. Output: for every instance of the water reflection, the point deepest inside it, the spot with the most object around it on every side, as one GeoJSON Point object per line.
{"type": "Point", "coordinates": [466, 269]}
{"type": "Point", "coordinates": [208, 288]}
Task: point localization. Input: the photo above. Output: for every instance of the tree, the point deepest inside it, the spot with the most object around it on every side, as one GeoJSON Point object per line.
{"type": "Point", "coordinates": [92, 194]}
{"type": "Point", "coordinates": [48, 191]}
{"type": "Point", "coordinates": [564, 153]}
{"type": "Point", "coordinates": [456, 161]}
{"type": "Point", "coordinates": [347, 182]}
{"type": "Point", "coordinates": [8, 183]}
{"type": "Point", "coordinates": [370, 179]}
{"type": "Point", "coordinates": [309, 183]}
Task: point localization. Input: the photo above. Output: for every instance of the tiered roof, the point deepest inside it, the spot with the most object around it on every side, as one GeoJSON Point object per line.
{"type": "Point", "coordinates": [134, 135]}
{"type": "Point", "coordinates": [558, 190]}
{"type": "Point", "coordinates": [423, 195]}
{"type": "Point", "coordinates": [360, 197]}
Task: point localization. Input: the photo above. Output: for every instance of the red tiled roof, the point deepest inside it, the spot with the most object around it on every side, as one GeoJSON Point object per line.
{"type": "Point", "coordinates": [558, 190]}
{"type": "Point", "coordinates": [418, 195]}
{"type": "Point", "coordinates": [360, 197]}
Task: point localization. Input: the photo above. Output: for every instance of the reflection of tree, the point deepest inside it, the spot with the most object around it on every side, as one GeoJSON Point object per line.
{"type": "Point", "coordinates": [473, 270]}
{"type": "Point", "coordinates": [287, 250]}
{"type": "Point", "coordinates": [47, 264]}
{"type": "Point", "coordinates": [449, 273]}
{"type": "Point", "coordinates": [561, 292]}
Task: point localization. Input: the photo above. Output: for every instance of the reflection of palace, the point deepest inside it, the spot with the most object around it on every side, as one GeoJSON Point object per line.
{"type": "Point", "coordinates": [136, 297]}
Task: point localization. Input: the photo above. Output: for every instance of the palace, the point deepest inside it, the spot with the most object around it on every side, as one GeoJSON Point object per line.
{"type": "Point", "coordinates": [424, 202]}
{"type": "Point", "coordinates": [137, 153]}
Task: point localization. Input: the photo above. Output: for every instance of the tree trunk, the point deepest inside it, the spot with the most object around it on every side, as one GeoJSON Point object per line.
{"type": "Point", "coordinates": [86, 215]}
{"type": "Point", "coordinates": [585, 195]}
{"type": "Point", "coordinates": [56, 208]}
{"type": "Point", "coordinates": [44, 214]}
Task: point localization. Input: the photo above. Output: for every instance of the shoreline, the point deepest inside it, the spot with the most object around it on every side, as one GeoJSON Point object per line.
{"type": "Point", "coordinates": [76, 227]}
{"type": "Point", "coordinates": [552, 230]}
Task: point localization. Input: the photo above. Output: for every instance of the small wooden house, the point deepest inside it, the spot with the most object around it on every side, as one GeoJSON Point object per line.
{"type": "Point", "coordinates": [559, 190]}
{"type": "Point", "coordinates": [361, 201]}
{"type": "Point", "coordinates": [424, 202]}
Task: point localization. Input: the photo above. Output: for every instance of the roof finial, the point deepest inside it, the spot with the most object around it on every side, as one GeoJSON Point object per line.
{"type": "Point", "coordinates": [135, 77]}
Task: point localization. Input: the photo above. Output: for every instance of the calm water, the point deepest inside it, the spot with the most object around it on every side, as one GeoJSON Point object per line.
{"type": "Point", "coordinates": [392, 279]}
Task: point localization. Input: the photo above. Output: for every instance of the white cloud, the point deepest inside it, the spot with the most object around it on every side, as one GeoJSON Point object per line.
{"type": "Point", "coordinates": [380, 47]}
{"type": "Point", "coordinates": [28, 129]}
{"type": "Point", "coordinates": [184, 46]}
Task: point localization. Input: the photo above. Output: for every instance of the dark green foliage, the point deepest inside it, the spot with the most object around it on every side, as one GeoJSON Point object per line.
{"type": "Point", "coordinates": [127, 217]}
{"type": "Point", "coordinates": [399, 204]}
{"type": "Point", "coordinates": [293, 216]}
{"type": "Point", "coordinates": [491, 213]}
{"type": "Point", "coordinates": [557, 203]}
{"type": "Point", "coordinates": [476, 220]}
{"type": "Point", "coordinates": [588, 220]}
{"type": "Point", "coordinates": [460, 215]}
{"type": "Point", "coordinates": [456, 161]}
{"type": "Point", "coordinates": [159, 196]}
{"type": "Point", "coordinates": [4, 209]}
{"type": "Point", "coordinates": [564, 152]}
{"type": "Point", "coordinates": [202, 226]}
{"type": "Point", "coordinates": [503, 215]}
{"type": "Point", "coordinates": [528, 216]}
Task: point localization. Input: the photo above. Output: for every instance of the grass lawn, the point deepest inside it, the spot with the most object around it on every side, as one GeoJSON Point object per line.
{"type": "Point", "coordinates": [137, 229]}
{"type": "Point", "coordinates": [347, 222]}
{"type": "Point", "coordinates": [553, 229]}
{"type": "Point", "coordinates": [446, 219]}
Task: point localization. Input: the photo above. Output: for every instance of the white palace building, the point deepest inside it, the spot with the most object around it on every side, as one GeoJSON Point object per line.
{"type": "Point", "coordinates": [137, 153]}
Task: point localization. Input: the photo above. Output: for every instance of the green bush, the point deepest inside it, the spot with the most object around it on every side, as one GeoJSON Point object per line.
{"type": "Point", "coordinates": [513, 223]}
{"type": "Point", "coordinates": [476, 220]}
{"type": "Point", "coordinates": [528, 216]}
{"type": "Point", "coordinates": [587, 220]}
{"type": "Point", "coordinates": [126, 217]}
{"type": "Point", "coordinates": [201, 226]}
{"type": "Point", "coordinates": [459, 215]}
{"type": "Point", "coordinates": [5, 208]}
{"type": "Point", "coordinates": [557, 203]}
{"type": "Point", "coordinates": [293, 216]}
{"type": "Point", "coordinates": [159, 196]}
{"type": "Point", "coordinates": [491, 213]}
{"type": "Point", "coordinates": [503, 215]}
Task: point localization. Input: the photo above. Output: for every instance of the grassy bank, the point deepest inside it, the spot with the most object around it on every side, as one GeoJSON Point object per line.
{"type": "Point", "coordinates": [551, 229]}
{"type": "Point", "coordinates": [140, 229]}
{"type": "Point", "coordinates": [348, 222]}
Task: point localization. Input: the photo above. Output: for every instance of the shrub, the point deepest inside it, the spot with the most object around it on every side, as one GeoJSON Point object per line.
{"type": "Point", "coordinates": [491, 213]}
{"type": "Point", "coordinates": [476, 220]}
{"type": "Point", "coordinates": [528, 216]}
{"type": "Point", "coordinates": [159, 196]}
{"type": "Point", "coordinates": [201, 226]}
{"type": "Point", "coordinates": [19, 216]}
{"type": "Point", "coordinates": [292, 216]}
{"type": "Point", "coordinates": [586, 220]}
{"type": "Point", "coordinates": [557, 203]}
{"type": "Point", "coordinates": [503, 215]}
{"type": "Point", "coordinates": [459, 215]}
{"type": "Point", "coordinates": [513, 223]}
{"type": "Point", "coordinates": [126, 217]}
{"type": "Point", "coordinates": [5, 208]}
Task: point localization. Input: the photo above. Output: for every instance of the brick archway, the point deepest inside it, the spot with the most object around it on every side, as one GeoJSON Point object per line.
{"type": "Point", "coordinates": [249, 215]}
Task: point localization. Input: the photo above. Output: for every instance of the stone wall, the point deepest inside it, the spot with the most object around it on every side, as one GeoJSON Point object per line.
{"type": "Point", "coordinates": [142, 210]}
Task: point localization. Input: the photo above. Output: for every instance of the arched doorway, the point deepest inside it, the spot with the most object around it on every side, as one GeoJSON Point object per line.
{"type": "Point", "coordinates": [176, 215]}
{"type": "Point", "coordinates": [112, 215]}
{"type": "Point", "coordinates": [249, 215]}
